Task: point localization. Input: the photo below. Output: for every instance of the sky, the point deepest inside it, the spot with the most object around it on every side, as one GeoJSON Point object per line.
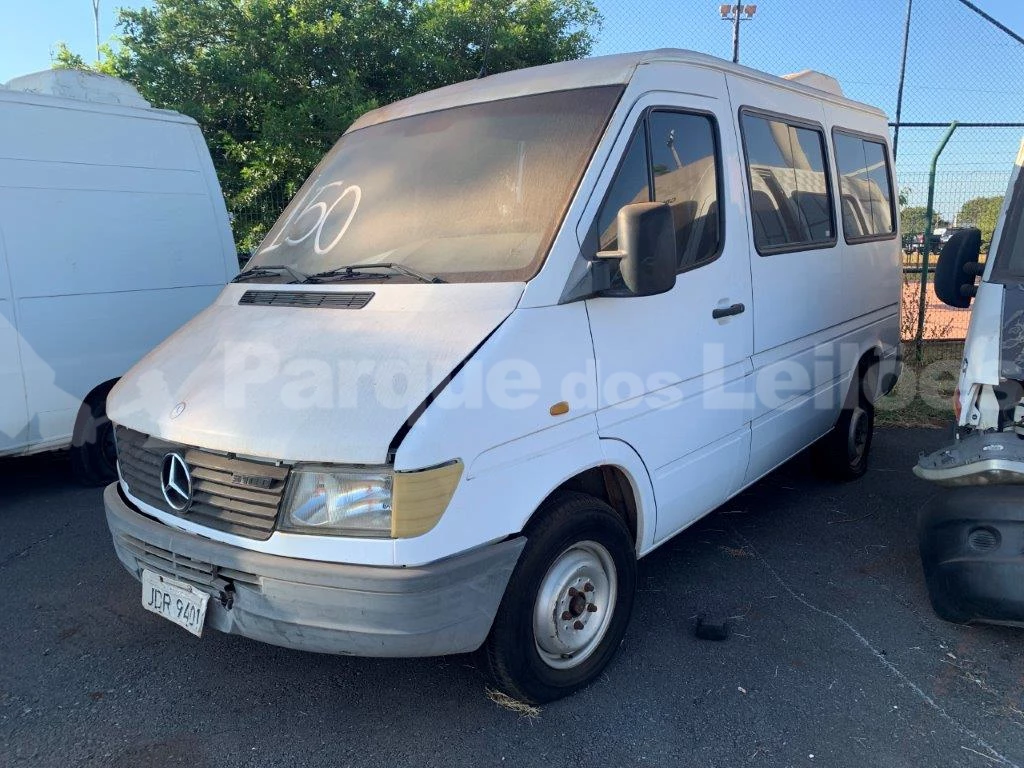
{"type": "Point", "coordinates": [957, 67]}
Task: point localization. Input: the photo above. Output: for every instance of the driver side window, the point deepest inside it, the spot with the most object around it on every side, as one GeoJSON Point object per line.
{"type": "Point", "coordinates": [672, 158]}
{"type": "Point", "coordinates": [631, 185]}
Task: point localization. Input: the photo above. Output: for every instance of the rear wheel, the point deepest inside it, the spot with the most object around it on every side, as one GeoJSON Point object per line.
{"type": "Point", "coordinates": [93, 452]}
{"type": "Point", "coordinates": [567, 605]}
{"type": "Point", "coordinates": [843, 453]}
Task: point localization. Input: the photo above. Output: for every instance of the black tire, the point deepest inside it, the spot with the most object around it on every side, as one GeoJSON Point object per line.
{"type": "Point", "coordinates": [512, 655]}
{"type": "Point", "coordinates": [843, 454]}
{"type": "Point", "coordinates": [93, 456]}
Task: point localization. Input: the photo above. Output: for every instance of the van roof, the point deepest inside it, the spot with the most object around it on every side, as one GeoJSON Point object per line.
{"type": "Point", "coordinates": [79, 85]}
{"type": "Point", "coordinates": [84, 91]}
{"type": "Point", "coordinates": [599, 70]}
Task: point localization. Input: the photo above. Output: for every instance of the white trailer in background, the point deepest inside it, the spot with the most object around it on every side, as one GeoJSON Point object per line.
{"type": "Point", "coordinates": [113, 233]}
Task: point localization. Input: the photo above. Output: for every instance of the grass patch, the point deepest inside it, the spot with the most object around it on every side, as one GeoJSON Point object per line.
{"type": "Point", "coordinates": [924, 395]}
{"type": "Point", "coordinates": [505, 701]}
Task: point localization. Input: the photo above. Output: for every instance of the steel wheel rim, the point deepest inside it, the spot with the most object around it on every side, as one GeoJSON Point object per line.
{"type": "Point", "coordinates": [574, 605]}
{"type": "Point", "coordinates": [857, 440]}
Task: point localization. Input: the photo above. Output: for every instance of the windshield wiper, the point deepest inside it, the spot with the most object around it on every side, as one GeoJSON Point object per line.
{"type": "Point", "coordinates": [268, 271]}
{"type": "Point", "coordinates": [359, 271]}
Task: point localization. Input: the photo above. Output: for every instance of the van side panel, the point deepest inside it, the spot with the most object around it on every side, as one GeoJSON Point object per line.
{"type": "Point", "coordinates": [872, 271]}
{"type": "Point", "coordinates": [816, 310]}
{"type": "Point", "coordinates": [112, 244]}
{"type": "Point", "coordinates": [798, 293]}
{"type": "Point", "coordinates": [71, 344]}
{"type": "Point", "coordinates": [13, 430]}
{"type": "Point", "coordinates": [672, 375]}
{"type": "Point", "coordinates": [217, 203]}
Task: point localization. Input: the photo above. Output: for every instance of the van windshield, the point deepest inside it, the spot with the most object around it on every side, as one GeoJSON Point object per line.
{"type": "Point", "coordinates": [468, 194]}
{"type": "Point", "coordinates": [1009, 264]}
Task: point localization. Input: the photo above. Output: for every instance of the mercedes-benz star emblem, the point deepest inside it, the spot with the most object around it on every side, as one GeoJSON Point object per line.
{"type": "Point", "coordinates": [176, 482]}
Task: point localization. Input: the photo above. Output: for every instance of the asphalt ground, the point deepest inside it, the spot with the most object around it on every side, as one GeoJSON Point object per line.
{"type": "Point", "coordinates": [835, 657]}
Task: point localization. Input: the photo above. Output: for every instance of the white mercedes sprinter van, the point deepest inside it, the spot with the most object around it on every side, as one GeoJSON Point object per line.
{"type": "Point", "coordinates": [511, 336]}
{"type": "Point", "coordinates": [113, 233]}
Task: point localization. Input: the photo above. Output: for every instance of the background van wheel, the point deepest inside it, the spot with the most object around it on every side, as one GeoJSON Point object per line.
{"type": "Point", "coordinates": [93, 454]}
{"type": "Point", "coordinates": [567, 605]}
{"type": "Point", "coordinates": [843, 453]}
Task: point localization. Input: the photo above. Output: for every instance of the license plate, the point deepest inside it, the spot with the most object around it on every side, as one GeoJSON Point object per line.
{"type": "Point", "coordinates": [174, 600]}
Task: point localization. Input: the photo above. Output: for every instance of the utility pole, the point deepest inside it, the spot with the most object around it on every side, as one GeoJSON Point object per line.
{"type": "Point", "coordinates": [96, 19]}
{"type": "Point", "coordinates": [736, 14]}
{"type": "Point", "coordinates": [903, 75]}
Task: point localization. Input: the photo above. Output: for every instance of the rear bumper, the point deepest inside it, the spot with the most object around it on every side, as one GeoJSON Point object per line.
{"type": "Point", "coordinates": [440, 608]}
{"type": "Point", "coordinates": [970, 541]}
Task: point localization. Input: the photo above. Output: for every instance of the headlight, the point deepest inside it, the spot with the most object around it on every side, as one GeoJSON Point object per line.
{"type": "Point", "coordinates": [368, 501]}
{"type": "Point", "coordinates": [353, 501]}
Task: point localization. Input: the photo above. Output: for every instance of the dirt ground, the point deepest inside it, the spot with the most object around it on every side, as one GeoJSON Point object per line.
{"type": "Point", "coordinates": [941, 322]}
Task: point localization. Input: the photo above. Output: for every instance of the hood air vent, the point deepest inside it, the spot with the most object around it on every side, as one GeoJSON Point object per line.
{"type": "Point", "coordinates": [307, 299]}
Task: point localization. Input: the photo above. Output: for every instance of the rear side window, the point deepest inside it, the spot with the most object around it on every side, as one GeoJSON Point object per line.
{"type": "Point", "coordinates": [672, 158]}
{"type": "Point", "coordinates": [790, 199]}
{"type": "Point", "coordinates": [865, 186]}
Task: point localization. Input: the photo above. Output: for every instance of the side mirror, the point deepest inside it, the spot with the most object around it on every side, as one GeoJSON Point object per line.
{"type": "Point", "coordinates": [957, 268]}
{"type": "Point", "coordinates": [647, 248]}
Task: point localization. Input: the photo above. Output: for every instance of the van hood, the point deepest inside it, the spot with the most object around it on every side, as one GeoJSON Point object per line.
{"type": "Point", "coordinates": [306, 374]}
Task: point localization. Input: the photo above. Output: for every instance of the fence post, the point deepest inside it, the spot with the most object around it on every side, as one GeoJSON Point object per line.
{"type": "Point", "coordinates": [927, 245]}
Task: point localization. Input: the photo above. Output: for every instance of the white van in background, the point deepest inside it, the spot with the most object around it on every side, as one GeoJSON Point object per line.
{"type": "Point", "coordinates": [113, 233]}
{"type": "Point", "coordinates": [509, 337]}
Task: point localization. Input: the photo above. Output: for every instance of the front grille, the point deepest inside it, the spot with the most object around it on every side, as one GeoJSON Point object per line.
{"type": "Point", "coordinates": [307, 299]}
{"type": "Point", "coordinates": [206, 576]}
{"type": "Point", "coordinates": [237, 496]}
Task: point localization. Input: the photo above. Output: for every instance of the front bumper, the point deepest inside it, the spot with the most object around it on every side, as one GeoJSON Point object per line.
{"type": "Point", "coordinates": [431, 610]}
{"type": "Point", "coordinates": [970, 541]}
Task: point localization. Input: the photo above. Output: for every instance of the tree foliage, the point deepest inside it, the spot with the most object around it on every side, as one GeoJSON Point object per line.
{"type": "Point", "coordinates": [274, 83]}
{"type": "Point", "coordinates": [983, 213]}
{"type": "Point", "coordinates": [913, 220]}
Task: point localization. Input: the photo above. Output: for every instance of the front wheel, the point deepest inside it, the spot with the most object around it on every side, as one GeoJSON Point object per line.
{"type": "Point", "coordinates": [93, 453]}
{"type": "Point", "coordinates": [567, 605]}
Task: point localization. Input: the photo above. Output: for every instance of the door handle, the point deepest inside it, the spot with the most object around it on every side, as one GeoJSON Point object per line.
{"type": "Point", "coordinates": [720, 312]}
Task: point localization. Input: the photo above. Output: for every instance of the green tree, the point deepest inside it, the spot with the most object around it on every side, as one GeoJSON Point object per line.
{"type": "Point", "coordinates": [274, 83]}
{"type": "Point", "coordinates": [65, 58]}
{"type": "Point", "coordinates": [912, 220]}
{"type": "Point", "coordinates": [983, 213]}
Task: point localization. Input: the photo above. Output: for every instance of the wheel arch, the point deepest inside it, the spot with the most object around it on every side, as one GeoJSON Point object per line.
{"type": "Point", "coordinates": [868, 372]}
{"type": "Point", "coordinates": [621, 481]}
{"type": "Point", "coordinates": [96, 394]}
